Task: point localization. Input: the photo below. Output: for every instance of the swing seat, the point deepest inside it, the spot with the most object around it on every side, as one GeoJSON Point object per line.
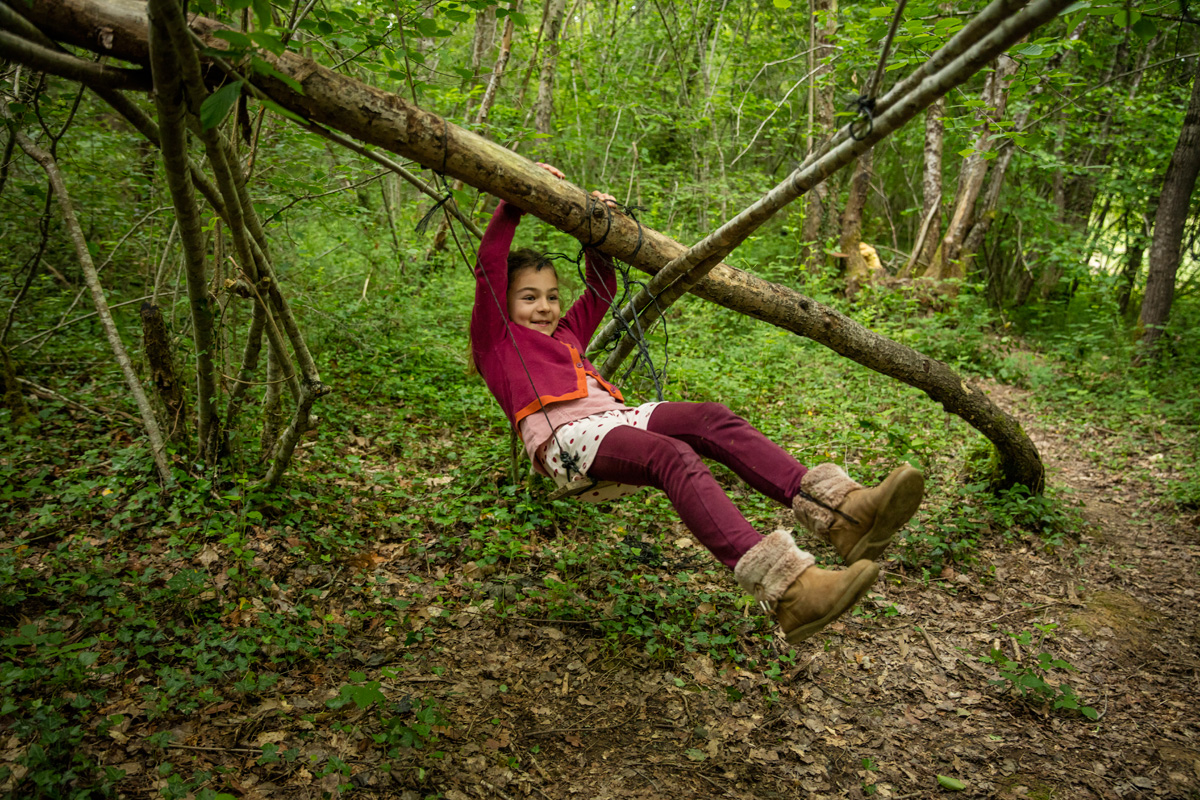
{"type": "Point", "coordinates": [577, 487]}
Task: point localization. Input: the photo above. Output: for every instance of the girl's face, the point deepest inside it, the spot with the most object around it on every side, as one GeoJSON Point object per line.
{"type": "Point", "coordinates": [533, 299]}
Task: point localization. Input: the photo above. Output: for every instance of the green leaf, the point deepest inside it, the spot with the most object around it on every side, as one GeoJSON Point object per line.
{"type": "Point", "coordinates": [456, 15]}
{"type": "Point", "coordinates": [1090, 713]}
{"type": "Point", "coordinates": [269, 42]}
{"type": "Point", "coordinates": [880, 11]}
{"type": "Point", "coordinates": [281, 111]}
{"type": "Point", "coordinates": [953, 784]}
{"type": "Point", "coordinates": [1031, 50]}
{"type": "Point", "coordinates": [217, 105]}
{"type": "Point", "coordinates": [782, 5]}
{"type": "Point", "coordinates": [235, 38]}
{"type": "Point", "coordinates": [426, 26]}
{"type": "Point", "coordinates": [1145, 29]}
{"type": "Point", "coordinates": [262, 10]}
{"type": "Point", "coordinates": [694, 754]}
{"type": "Point", "coordinates": [264, 68]}
{"type": "Point", "coordinates": [1071, 9]}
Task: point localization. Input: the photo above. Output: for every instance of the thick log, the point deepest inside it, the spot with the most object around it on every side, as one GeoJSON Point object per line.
{"type": "Point", "coordinates": [376, 117]}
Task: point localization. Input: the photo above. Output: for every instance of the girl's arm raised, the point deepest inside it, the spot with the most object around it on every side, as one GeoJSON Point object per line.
{"type": "Point", "coordinates": [489, 317]}
{"type": "Point", "coordinates": [586, 313]}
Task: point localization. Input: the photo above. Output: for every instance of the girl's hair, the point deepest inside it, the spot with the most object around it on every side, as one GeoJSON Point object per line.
{"type": "Point", "coordinates": [518, 260]}
{"type": "Point", "coordinates": [528, 258]}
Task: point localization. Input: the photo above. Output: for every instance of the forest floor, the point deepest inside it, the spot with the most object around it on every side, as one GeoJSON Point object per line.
{"type": "Point", "coordinates": [886, 704]}
{"type": "Point", "coordinates": [897, 700]}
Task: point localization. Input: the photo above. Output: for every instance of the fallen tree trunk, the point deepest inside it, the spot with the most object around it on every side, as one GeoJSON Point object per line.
{"type": "Point", "coordinates": [118, 28]}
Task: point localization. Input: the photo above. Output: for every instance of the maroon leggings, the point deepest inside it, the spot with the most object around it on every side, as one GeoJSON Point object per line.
{"type": "Point", "coordinates": [666, 455]}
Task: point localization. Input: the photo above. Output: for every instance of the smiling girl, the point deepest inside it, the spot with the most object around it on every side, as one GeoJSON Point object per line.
{"type": "Point", "coordinates": [575, 423]}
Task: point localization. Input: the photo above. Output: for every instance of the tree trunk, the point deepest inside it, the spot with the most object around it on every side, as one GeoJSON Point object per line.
{"type": "Point", "coordinates": [1169, 220]}
{"type": "Point", "coordinates": [823, 24]}
{"type": "Point", "coordinates": [14, 399]}
{"type": "Point", "coordinates": [161, 361]}
{"type": "Point", "coordinates": [1135, 248]}
{"type": "Point", "coordinates": [931, 186]}
{"type": "Point", "coordinates": [946, 263]}
{"type": "Point", "coordinates": [168, 99]}
{"type": "Point", "coordinates": [544, 106]}
{"type": "Point", "coordinates": [858, 272]}
{"type": "Point", "coordinates": [389, 121]}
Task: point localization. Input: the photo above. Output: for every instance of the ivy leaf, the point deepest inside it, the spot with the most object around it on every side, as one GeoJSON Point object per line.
{"type": "Point", "coordinates": [953, 784]}
{"type": "Point", "coordinates": [217, 105]}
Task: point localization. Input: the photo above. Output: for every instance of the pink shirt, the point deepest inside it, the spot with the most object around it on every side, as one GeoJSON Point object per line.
{"type": "Point", "coordinates": [536, 431]}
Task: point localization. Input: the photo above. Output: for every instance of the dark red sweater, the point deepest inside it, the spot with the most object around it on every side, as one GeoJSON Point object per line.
{"type": "Point", "coordinates": [556, 366]}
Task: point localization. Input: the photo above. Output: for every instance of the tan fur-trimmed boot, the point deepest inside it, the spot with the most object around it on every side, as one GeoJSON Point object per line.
{"type": "Point", "coordinates": [858, 522]}
{"type": "Point", "coordinates": [804, 598]}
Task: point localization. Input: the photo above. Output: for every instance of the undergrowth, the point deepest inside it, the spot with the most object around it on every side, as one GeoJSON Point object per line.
{"type": "Point", "coordinates": [118, 602]}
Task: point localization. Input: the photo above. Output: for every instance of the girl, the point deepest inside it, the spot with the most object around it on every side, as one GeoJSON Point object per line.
{"type": "Point", "coordinates": [573, 423]}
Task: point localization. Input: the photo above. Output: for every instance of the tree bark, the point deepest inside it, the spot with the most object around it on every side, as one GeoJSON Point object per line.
{"type": "Point", "coordinates": [1169, 220]}
{"type": "Point", "coordinates": [544, 106]}
{"type": "Point", "coordinates": [857, 272]}
{"type": "Point", "coordinates": [931, 183]}
{"type": "Point", "coordinates": [161, 361]}
{"type": "Point", "coordinates": [388, 121]}
{"type": "Point", "coordinates": [169, 101]}
{"type": "Point", "coordinates": [820, 121]}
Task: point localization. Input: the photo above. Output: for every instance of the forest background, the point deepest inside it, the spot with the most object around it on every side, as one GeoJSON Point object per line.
{"type": "Point", "coordinates": [264, 533]}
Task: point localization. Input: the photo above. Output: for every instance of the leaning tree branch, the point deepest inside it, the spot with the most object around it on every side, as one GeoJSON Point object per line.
{"type": "Point", "coordinates": [157, 446]}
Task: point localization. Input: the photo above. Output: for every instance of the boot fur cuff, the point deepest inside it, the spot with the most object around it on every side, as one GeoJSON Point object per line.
{"type": "Point", "coordinates": [828, 484]}
{"type": "Point", "coordinates": [771, 566]}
